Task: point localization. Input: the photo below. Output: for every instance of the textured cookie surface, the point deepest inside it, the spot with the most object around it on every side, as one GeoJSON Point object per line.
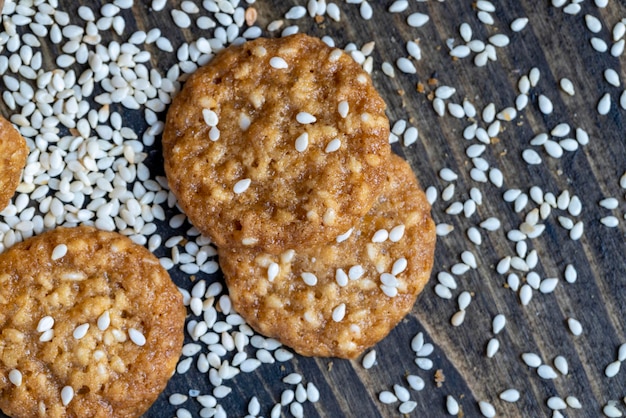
{"type": "Point", "coordinates": [340, 298]}
{"type": "Point", "coordinates": [13, 153]}
{"type": "Point", "coordinates": [275, 143]}
{"type": "Point", "coordinates": [51, 363]}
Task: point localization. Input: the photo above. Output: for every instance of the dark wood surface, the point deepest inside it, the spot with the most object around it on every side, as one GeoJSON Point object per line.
{"type": "Point", "coordinates": [558, 44]}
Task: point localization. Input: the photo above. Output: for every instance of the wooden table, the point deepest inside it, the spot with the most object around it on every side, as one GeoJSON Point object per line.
{"type": "Point", "coordinates": [558, 44]}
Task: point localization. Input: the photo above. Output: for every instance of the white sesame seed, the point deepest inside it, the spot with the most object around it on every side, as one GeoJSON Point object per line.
{"type": "Point", "coordinates": [339, 312]}
{"type": "Point", "coordinates": [546, 372]}
{"type": "Point", "coordinates": [305, 118]}
{"type": "Point", "coordinates": [278, 63]}
{"type": "Point", "coordinates": [612, 369]}
{"type": "Point", "coordinates": [452, 405]}
{"type": "Point", "coordinates": [241, 186]}
{"type": "Point", "coordinates": [369, 359]}
{"type": "Point", "coordinates": [104, 320]}
{"type": "Point", "coordinates": [525, 294]}
{"type": "Point", "coordinates": [567, 86]}
{"type": "Point", "coordinates": [137, 337]}
{"type": "Point", "coordinates": [464, 300]}
{"type": "Point", "coordinates": [424, 363]}
{"type": "Point", "coordinates": [487, 409]}
{"type": "Point", "coordinates": [575, 326]}
{"type": "Point", "coordinates": [593, 23]}
{"type": "Point", "coordinates": [611, 77]}
{"type": "Point", "coordinates": [67, 394]}
{"type": "Point", "coordinates": [561, 365]}
{"type": "Point", "coordinates": [302, 142]}
{"type": "Point", "coordinates": [599, 44]}
{"type": "Point", "coordinates": [80, 331]}
{"type": "Point", "coordinates": [492, 347]}
{"type": "Point", "coordinates": [474, 235]}
{"type": "Point", "coordinates": [406, 66]}
{"type": "Point", "coordinates": [573, 402]}
{"type": "Point", "coordinates": [387, 397]}
{"type": "Point", "coordinates": [519, 24]}
{"type": "Point", "coordinates": [577, 231]}
{"type": "Point", "coordinates": [604, 105]}
{"type": "Point", "coordinates": [309, 278]}
{"type": "Point", "coordinates": [272, 271]}
{"type": "Point", "coordinates": [410, 136]}
{"type": "Point", "coordinates": [46, 323]}
{"type": "Point", "coordinates": [556, 403]}
{"type": "Point", "coordinates": [417, 20]}
{"type": "Point", "coordinates": [396, 233]}
{"type": "Point", "coordinates": [15, 377]}
{"type": "Point", "coordinates": [510, 395]}
{"type": "Point", "coordinates": [531, 157]}
{"type": "Point", "coordinates": [610, 409]}
{"type": "Point", "coordinates": [458, 318]}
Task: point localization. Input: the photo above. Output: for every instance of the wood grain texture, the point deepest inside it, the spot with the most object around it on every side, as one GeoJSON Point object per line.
{"type": "Point", "coordinates": [557, 44]}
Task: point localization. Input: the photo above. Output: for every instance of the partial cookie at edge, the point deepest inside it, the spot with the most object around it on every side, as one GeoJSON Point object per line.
{"type": "Point", "coordinates": [110, 374]}
{"type": "Point", "coordinates": [290, 164]}
{"type": "Point", "coordinates": [13, 154]}
{"type": "Point", "coordinates": [270, 292]}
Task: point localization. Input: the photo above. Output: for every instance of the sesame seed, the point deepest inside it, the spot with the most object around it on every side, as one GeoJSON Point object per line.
{"type": "Point", "coordinates": [272, 271]}
{"type": "Point", "coordinates": [612, 369]}
{"type": "Point", "coordinates": [556, 403]}
{"type": "Point", "coordinates": [417, 20]}
{"type": "Point", "coordinates": [604, 105]}
{"type": "Point", "coordinates": [415, 382]}
{"type": "Point", "coordinates": [241, 186]}
{"type": "Point", "coordinates": [46, 323]}
{"type": "Point", "coordinates": [492, 347]}
{"type": "Point", "coordinates": [104, 321]}
{"type": "Point", "coordinates": [59, 252]}
{"type": "Point", "coordinates": [67, 394]}
{"type": "Point", "coordinates": [573, 402]}
{"type": "Point", "coordinates": [458, 318]}
{"type": "Point", "coordinates": [487, 409]}
{"type": "Point", "coordinates": [302, 142]}
{"type": "Point", "coordinates": [561, 365]}
{"type": "Point", "coordinates": [519, 24]}
{"type": "Point", "coordinates": [452, 405]}
{"type": "Point", "coordinates": [137, 337]}
{"type": "Point", "coordinates": [278, 63]}
{"type": "Point", "coordinates": [309, 278]}
{"type": "Point", "coordinates": [15, 377]}
{"type": "Point", "coordinates": [369, 359]}
{"type": "Point", "coordinates": [406, 66]}
{"type": "Point", "coordinates": [546, 372]}
{"type": "Point", "coordinates": [80, 331]}
{"type": "Point", "coordinates": [339, 312]}
{"type": "Point", "coordinates": [305, 118]}
{"type": "Point", "coordinates": [344, 236]}
{"type": "Point", "coordinates": [574, 326]}
{"type": "Point", "coordinates": [510, 395]}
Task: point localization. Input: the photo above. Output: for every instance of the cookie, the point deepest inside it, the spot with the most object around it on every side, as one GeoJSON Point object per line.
{"type": "Point", "coordinates": [341, 298]}
{"type": "Point", "coordinates": [276, 143]}
{"type": "Point", "coordinates": [90, 326]}
{"type": "Point", "coordinates": [13, 153]}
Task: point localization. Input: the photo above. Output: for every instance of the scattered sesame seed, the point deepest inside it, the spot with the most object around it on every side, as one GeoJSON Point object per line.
{"type": "Point", "coordinates": [556, 403]}
{"type": "Point", "coordinates": [546, 372]}
{"type": "Point", "coordinates": [369, 359]}
{"type": "Point", "coordinates": [487, 409]}
{"type": "Point", "coordinates": [510, 395]}
{"type": "Point", "coordinates": [80, 331]}
{"type": "Point", "coordinates": [417, 20]}
{"type": "Point", "coordinates": [452, 405]}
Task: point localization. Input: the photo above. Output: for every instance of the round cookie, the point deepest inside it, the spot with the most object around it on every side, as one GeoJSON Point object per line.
{"type": "Point", "coordinates": [340, 298]}
{"type": "Point", "coordinates": [51, 363]}
{"type": "Point", "coordinates": [13, 153]}
{"type": "Point", "coordinates": [276, 143]}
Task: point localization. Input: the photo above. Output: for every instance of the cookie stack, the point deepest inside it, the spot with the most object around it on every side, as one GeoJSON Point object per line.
{"type": "Point", "coordinates": [278, 150]}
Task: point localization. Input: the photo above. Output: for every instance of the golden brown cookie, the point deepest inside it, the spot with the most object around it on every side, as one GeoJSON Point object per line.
{"type": "Point", "coordinates": [276, 143]}
{"type": "Point", "coordinates": [90, 326]}
{"type": "Point", "coordinates": [340, 298]}
{"type": "Point", "coordinates": [13, 153]}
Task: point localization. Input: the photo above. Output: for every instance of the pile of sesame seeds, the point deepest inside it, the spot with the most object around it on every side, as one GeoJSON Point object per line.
{"type": "Point", "coordinates": [88, 89]}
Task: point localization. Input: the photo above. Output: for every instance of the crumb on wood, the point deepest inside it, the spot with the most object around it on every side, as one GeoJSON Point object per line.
{"type": "Point", "coordinates": [251, 16]}
{"type": "Point", "coordinates": [319, 19]}
{"type": "Point", "coordinates": [330, 366]}
{"type": "Point", "coordinates": [420, 88]}
{"type": "Point", "coordinates": [439, 378]}
{"type": "Point", "coordinates": [432, 81]}
{"type": "Point", "coordinates": [400, 92]}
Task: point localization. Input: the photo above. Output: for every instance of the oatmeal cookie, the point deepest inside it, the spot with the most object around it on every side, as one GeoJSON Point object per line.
{"type": "Point", "coordinates": [90, 326]}
{"type": "Point", "coordinates": [276, 143]}
{"type": "Point", "coordinates": [340, 298]}
{"type": "Point", "coordinates": [13, 153]}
